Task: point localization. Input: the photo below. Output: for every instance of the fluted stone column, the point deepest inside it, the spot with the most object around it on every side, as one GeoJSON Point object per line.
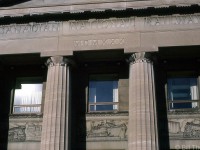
{"type": "Point", "coordinates": [56, 107]}
{"type": "Point", "coordinates": [142, 133]}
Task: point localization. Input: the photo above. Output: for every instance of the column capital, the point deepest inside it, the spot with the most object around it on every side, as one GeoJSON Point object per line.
{"type": "Point", "coordinates": [140, 57]}
{"type": "Point", "coordinates": [58, 61]}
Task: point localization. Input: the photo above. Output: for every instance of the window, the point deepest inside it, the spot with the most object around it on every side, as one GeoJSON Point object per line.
{"type": "Point", "coordinates": [103, 93]}
{"type": "Point", "coordinates": [28, 98]}
{"type": "Point", "coordinates": [182, 93]}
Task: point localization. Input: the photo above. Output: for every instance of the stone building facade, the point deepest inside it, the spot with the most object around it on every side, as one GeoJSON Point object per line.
{"type": "Point", "coordinates": [99, 74]}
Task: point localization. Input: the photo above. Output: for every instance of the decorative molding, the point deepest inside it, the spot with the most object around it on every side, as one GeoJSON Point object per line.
{"type": "Point", "coordinates": [106, 114]}
{"type": "Point", "coordinates": [195, 111]}
{"type": "Point", "coordinates": [140, 57]}
{"type": "Point", "coordinates": [29, 28]}
{"type": "Point", "coordinates": [57, 61]}
{"type": "Point", "coordinates": [24, 116]}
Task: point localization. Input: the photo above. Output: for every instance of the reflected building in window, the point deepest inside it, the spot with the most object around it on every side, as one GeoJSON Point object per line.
{"type": "Point", "coordinates": [28, 99]}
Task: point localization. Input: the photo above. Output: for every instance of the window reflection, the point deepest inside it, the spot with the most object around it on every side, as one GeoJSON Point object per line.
{"type": "Point", "coordinates": [28, 98]}
{"type": "Point", "coordinates": [103, 94]}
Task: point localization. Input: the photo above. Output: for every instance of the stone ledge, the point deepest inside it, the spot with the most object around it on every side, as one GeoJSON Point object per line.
{"type": "Point", "coordinates": [100, 114]}
{"type": "Point", "coordinates": [16, 116]}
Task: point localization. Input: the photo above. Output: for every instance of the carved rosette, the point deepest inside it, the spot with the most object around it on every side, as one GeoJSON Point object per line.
{"type": "Point", "coordinates": [140, 58]}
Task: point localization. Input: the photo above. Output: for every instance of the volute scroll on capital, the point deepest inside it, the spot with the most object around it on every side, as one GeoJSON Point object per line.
{"type": "Point", "coordinates": [58, 61]}
{"type": "Point", "coordinates": [140, 57]}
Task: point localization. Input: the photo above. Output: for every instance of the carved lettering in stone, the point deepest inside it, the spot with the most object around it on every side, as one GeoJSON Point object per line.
{"type": "Point", "coordinates": [102, 24]}
{"type": "Point", "coordinates": [29, 28]}
{"type": "Point", "coordinates": [172, 20]}
{"type": "Point", "coordinates": [99, 42]}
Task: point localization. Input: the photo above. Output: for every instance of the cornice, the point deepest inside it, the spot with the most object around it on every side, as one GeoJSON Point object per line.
{"type": "Point", "coordinates": [99, 10]}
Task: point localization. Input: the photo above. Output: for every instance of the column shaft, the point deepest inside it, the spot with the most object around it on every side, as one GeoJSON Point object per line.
{"type": "Point", "coordinates": [142, 107]}
{"type": "Point", "coordinates": [55, 106]}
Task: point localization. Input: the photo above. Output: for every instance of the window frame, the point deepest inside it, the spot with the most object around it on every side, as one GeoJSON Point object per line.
{"type": "Point", "coordinates": [17, 85]}
{"type": "Point", "coordinates": [89, 104]}
{"type": "Point", "coordinates": [182, 74]}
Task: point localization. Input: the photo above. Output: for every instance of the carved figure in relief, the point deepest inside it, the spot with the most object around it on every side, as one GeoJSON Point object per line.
{"type": "Point", "coordinates": [106, 128]}
{"type": "Point", "coordinates": [30, 131]}
{"type": "Point", "coordinates": [192, 130]}
{"type": "Point", "coordinates": [17, 134]}
{"type": "Point", "coordinates": [184, 128]}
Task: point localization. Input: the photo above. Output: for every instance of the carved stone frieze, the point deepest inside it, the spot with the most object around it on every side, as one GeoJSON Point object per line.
{"type": "Point", "coordinates": [25, 129]}
{"type": "Point", "coordinates": [17, 134]}
{"type": "Point", "coordinates": [184, 128]}
{"type": "Point", "coordinates": [104, 128]}
{"type": "Point", "coordinates": [22, 132]}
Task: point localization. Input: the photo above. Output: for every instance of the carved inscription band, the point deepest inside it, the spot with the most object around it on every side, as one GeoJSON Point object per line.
{"type": "Point", "coordinates": [29, 28]}
{"type": "Point", "coordinates": [99, 42]}
{"type": "Point", "coordinates": [102, 23]}
{"type": "Point", "coordinates": [172, 20]}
